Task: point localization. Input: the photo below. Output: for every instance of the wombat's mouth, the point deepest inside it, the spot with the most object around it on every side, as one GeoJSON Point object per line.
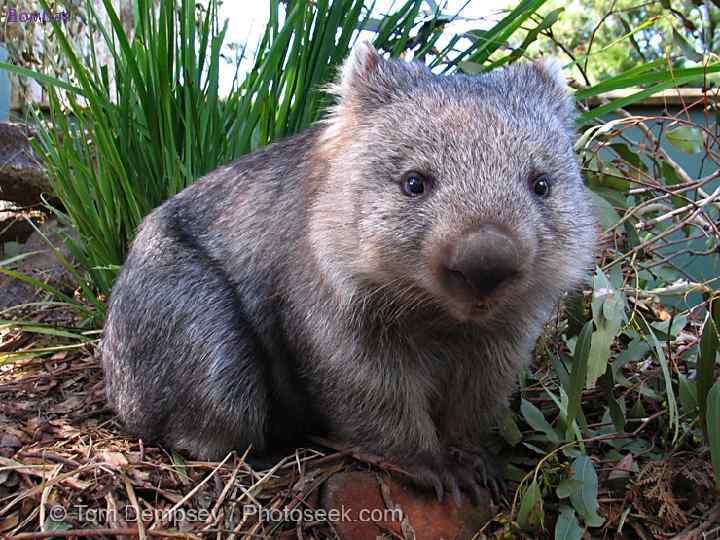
{"type": "Point", "coordinates": [465, 302]}
{"type": "Point", "coordinates": [467, 307]}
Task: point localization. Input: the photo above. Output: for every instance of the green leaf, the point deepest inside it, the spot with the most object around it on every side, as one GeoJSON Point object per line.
{"type": "Point", "coordinates": [688, 139]}
{"type": "Point", "coordinates": [637, 410]}
{"type": "Point", "coordinates": [36, 353]}
{"type": "Point", "coordinates": [615, 409]}
{"type": "Point", "coordinates": [508, 429]}
{"type": "Point", "coordinates": [646, 74]}
{"type": "Point", "coordinates": [608, 308]}
{"type": "Point", "coordinates": [668, 80]}
{"type": "Point", "coordinates": [713, 422]}
{"type": "Point", "coordinates": [18, 258]}
{"type": "Point", "coordinates": [537, 421]}
{"type": "Point", "coordinates": [616, 413]}
{"type": "Point", "coordinates": [40, 77]}
{"type": "Point", "coordinates": [669, 174]}
{"type": "Point", "coordinates": [180, 466]}
{"type": "Point", "coordinates": [566, 487]}
{"type": "Point", "coordinates": [607, 215]}
{"type": "Point", "coordinates": [609, 178]}
{"type": "Point", "coordinates": [531, 507]}
{"type": "Point", "coordinates": [51, 524]}
{"type": "Point", "coordinates": [489, 41]}
{"type": "Point", "coordinates": [567, 526]}
{"type": "Point", "coordinates": [575, 313]}
{"type": "Point", "coordinates": [37, 328]}
{"type": "Point", "coordinates": [687, 392]}
{"type": "Point", "coordinates": [678, 323]}
{"type": "Point", "coordinates": [547, 21]}
{"type": "Point", "coordinates": [579, 374]}
{"type": "Point", "coordinates": [706, 360]}
{"type": "Point", "coordinates": [632, 157]}
{"type": "Point", "coordinates": [584, 496]}
{"type": "Point", "coordinates": [41, 285]}
{"type": "Point", "coordinates": [667, 379]}
{"type": "Point", "coordinates": [471, 68]}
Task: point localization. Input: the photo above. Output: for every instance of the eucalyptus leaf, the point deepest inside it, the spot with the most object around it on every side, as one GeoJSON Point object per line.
{"type": "Point", "coordinates": [537, 421]}
{"type": "Point", "coordinates": [706, 362]}
{"type": "Point", "coordinates": [713, 422]}
{"type": "Point", "coordinates": [667, 379]}
{"type": "Point", "coordinates": [567, 487]}
{"type": "Point", "coordinates": [608, 308]}
{"type": "Point", "coordinates": [567, 526]}
{"type": "Point", "coordinates": [629, 155]}
{"type": "Point", "coordinates": [606, 213]}
{"type": "Point", "coordinates": [687, 392]}
{"type": "Point", "coordinates": [508, 428]}
{"type": "Point", "coordinates": [584, 495]}
{"type": "Point", "coordinates": [531, 507]}
{"type": "Point", "coordinates": [689, 139]}
{"type": "Point", "coordinates": [669, 174]}
{"type": "Point", "coordinates": [678, 323]}
{"type": "Point", "coordinates": [637, 410]}
{"type": "Point", "coordinates": [579, 373]}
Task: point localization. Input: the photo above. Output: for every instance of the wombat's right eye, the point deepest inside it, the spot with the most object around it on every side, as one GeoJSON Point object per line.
{"type": "Point", "coordinates": [414, 184]}
{"type": "Point", "coordinates": [541, 186]}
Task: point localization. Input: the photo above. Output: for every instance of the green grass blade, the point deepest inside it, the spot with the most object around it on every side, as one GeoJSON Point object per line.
{"type": "Point", "coordinates": [41, 78]}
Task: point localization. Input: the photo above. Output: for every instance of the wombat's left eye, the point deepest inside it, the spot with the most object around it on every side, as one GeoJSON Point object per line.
{"type": "Point", "coordinates": [414, 184]}
{"type": "Point", "coordinates": [541, 186]}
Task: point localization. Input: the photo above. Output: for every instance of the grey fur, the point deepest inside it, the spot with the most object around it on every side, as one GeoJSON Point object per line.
{"type": "Point", "coordinates": [298, 290]}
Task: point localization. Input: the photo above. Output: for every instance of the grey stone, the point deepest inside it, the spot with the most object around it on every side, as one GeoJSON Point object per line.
{"type": "Point", "coordinates": [42, 265]}
{"type": "Point", "coordinates": [22, 177]}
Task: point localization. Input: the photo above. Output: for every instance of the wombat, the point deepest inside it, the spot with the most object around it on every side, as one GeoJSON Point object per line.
{"type": "Point", "coordinates": [378, 279]}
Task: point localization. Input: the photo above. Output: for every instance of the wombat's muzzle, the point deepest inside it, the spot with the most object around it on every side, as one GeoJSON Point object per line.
{"type": "Point", "coordinates": [479, 262]}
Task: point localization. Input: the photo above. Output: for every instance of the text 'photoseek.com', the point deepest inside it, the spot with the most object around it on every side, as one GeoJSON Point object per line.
{"type": "Point", "coordinates": [132, 514]}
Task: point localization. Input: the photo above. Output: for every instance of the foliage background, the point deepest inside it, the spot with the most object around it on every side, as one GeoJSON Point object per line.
{"type": "Point", "coordinates": [678, 31]}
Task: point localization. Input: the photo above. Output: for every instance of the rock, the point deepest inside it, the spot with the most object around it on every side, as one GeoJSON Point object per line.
{"type": "Point", "coordinates": [13, 225]}
{"type": "Point", "coordinates": [22, 176]}
{"type": "Point", "coordinates": [403, 512]}
{"type": "Point", "coordinates": [43, 266]}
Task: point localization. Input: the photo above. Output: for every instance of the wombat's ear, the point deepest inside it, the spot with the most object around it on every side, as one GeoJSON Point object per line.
{"type": "Point", "coordinates": [556, 89]}
{"type": "Point", "coordinates": [357, 69]}
{"type": "Point", "coordinates": [367, 79]}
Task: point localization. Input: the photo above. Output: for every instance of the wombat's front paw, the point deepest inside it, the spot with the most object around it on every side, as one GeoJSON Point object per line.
{"type": "Point", "coordinates": [484, 467]}
{"type": "Point", "coordinates": [458, 470]}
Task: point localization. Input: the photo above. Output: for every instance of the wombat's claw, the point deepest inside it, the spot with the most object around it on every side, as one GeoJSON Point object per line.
{"type": "Point", "coordinates": [425, 476]}
{"type": "Point", "coordinates": [446, 476]}
{"type": "Point", "coordinates": [484, 467]}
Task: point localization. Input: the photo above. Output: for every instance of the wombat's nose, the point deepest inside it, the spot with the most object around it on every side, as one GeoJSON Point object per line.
{"type": "Point", "coordinates": [482, 260]}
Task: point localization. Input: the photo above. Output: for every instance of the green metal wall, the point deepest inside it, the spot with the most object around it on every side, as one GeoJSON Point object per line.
{"type": "Point", "coordinates": [700, 268]}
